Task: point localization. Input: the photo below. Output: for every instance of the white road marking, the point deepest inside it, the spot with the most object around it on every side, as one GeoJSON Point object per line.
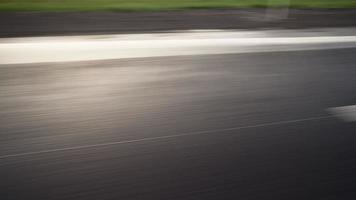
{"type": "Point", "coordinates": [101, 47]}
{"type": "Point", "coordinates": [346, 113]}
{"type": "Point", "coordinates": [164, 137]}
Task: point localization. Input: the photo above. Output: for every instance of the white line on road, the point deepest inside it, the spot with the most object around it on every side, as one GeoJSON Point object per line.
{"type": "Point", "coordinates": [102, 47]}
{"type": "Point", "coordinates": [164, 137]}
{"type": "Point", "coordinates": [346, 113]}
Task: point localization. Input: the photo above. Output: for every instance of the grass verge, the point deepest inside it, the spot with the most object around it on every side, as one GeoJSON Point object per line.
{"type": "Point", "coordinates": [158, 5]}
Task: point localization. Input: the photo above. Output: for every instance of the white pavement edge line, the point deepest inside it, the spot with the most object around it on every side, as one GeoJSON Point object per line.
{"type": "Point", "coordinates": [164, 137]}
{"type": "Point", "coordinates": [346, 113]}
{"type": "Point", "coordinates": [62, 50]}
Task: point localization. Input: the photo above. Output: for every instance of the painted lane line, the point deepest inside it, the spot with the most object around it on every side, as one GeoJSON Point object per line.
{"type": "Point", "coordinates": [164, 137]}
{"type": "Point", "coordinates": [67, 49]}
{"type": "Point", "coordinates": [346, 113]}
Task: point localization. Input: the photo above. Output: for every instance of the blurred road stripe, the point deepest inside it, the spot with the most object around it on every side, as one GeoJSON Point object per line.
{"type": "Point", "coordinates": [102, 47]}
{"type": "Point", "coordinates": [346, 113]}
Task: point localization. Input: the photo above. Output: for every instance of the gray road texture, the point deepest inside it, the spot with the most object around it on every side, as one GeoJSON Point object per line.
{"type": "Point", "coordinates": [73, 23]}
{"type": "Point", "coordinates": [159, 128]}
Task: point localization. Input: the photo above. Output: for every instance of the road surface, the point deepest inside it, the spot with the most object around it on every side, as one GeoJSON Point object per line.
{"type": "Point", "coordinates": [232, 126]}
{"type": "Point", "coordinates": [73, 23]}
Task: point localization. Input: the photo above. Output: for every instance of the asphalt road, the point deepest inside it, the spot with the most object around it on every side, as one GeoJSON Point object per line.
{"type": "Point", "coordinates": [74, 23]}
{"type": "Point", "coordinates": [238, 126]}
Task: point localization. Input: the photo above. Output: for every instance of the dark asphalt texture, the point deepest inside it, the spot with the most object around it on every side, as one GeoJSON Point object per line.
{"type": "Point", "coordinates": [64, 105]}
{"type": "Point", "coordinates": [73, 23]}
